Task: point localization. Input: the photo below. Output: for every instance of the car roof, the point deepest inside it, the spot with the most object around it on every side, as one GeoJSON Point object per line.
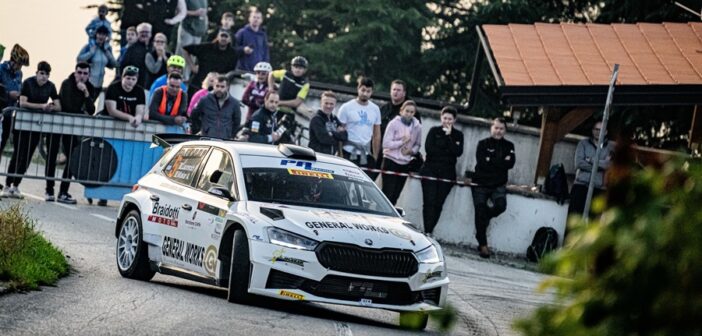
{"type": "Point", "coordinates": [248, 148]}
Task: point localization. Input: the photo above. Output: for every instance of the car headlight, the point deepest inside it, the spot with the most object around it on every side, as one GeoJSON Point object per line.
{"type": "Point", "coordinates": [288, 239]}
{"type": "Point", "coordinates": [428, 255]}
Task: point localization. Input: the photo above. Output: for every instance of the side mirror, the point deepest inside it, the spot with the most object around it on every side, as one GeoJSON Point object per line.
{"type": "Point", "coordinates": [221, 192]}
{"type": "Point", "coordinates": [216, 175]}
{"type": "Point", "coordinates": [401, 211]}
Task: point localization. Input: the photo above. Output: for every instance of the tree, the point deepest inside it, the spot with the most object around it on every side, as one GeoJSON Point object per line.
{"type": "Point", "coordinates": [636, 270]}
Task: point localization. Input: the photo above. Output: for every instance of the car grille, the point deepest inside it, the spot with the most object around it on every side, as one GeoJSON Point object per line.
{"type": "Point", "coordinates": [354, 289]}
{"type": "Point", "coordinates": [358, 260]}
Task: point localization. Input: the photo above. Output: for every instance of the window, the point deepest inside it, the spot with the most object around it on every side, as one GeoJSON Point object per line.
{"type": "Point", "coordinates": [218, 161]}
{"type": "Point", "coordinates": [315, 189]}
{"type": "Point", "coordinates": [184, 164]}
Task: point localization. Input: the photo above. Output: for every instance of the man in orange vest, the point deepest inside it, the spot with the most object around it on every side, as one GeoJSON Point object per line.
{"type": "Point", "coordinates": [169, 104]}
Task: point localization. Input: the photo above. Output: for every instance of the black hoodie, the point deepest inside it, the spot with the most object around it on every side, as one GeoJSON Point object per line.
{"type": "Point", "coordinates": [493, 159]}
{"type": "Point", "coordinates": [324, 137]}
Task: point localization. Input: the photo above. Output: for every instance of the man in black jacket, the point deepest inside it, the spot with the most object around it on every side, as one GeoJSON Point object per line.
{"type": "Point", "coordinates": [263, 125]}
{"type": "Point", "coordinates": [325, 129]}
{"type": "Point", "coordinates": [494, 157]}
{"type": "Point", "coordinates": [77, 95]}
{"type": "Point", "coordinates": [136, 54]}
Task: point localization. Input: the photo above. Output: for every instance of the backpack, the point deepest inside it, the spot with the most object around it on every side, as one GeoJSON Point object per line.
{"type": "Point", "coordinates": [545, 240]}
{"type": "Point", "coordinates": [556, 183]}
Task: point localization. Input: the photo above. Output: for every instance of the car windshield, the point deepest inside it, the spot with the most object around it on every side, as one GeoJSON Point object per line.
{"type": "Point", "coordinates": [320, 189]}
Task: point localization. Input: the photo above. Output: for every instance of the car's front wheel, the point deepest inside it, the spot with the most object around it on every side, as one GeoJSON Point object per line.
{"type": "Point", "coordinates": [240, 269]}
{"type": "Point", "coordinates": [132, 255]}
{"type": "Point", "coordinates": [414, 320]}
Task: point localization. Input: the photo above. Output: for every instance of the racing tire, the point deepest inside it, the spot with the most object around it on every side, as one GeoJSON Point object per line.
{"type": "Point", "coordinates": [132, 254]}
{"type": "Point", "coordinates": [240, 269]}
{"type": "Point", "coordinates": [414, 320]}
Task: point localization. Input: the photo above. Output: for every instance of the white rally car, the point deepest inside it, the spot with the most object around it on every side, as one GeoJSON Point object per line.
{"type": "Point", "coordinates": [282, 222]}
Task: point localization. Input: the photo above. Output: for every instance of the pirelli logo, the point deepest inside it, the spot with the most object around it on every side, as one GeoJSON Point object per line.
{"type": "Point", "coordinates": [291, 295]}
{"type": "Point", "coordinates": [310, 173]}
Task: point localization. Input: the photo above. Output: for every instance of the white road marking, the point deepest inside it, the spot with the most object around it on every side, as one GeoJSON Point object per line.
{"type": "Point", "coordinates": [69, 207]}
{"type": "Point", "coordinates": [33, 197]}
{"type": "Point", "coordinates": [103, 217]}
{"type": "Point", "coordinates": [342, 329]}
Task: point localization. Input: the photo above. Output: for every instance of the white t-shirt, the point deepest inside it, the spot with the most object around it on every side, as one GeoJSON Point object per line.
{"type": "Point", "coordinates": [359, 120]}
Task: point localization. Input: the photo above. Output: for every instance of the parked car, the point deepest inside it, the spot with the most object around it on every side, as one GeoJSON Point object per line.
{"type": "Point", "coordinates": [282, 222]}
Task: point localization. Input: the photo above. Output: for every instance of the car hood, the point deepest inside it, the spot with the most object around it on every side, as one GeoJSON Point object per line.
{"type": "Point", "coordinates": [365, 230]}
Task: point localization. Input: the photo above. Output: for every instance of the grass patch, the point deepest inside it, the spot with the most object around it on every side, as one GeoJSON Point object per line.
{"type": "Point", "coordinates": [27, 259]}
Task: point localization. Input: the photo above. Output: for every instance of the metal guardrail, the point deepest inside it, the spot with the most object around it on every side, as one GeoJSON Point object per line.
{"type": "Point", "coordinates": [104, 154]}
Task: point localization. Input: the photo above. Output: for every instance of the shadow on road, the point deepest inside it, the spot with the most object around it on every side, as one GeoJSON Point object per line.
{"type": "Point", "coordinates": [298, 308]}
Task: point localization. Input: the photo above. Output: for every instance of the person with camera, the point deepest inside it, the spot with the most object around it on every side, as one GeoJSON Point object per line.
{"type": "Point", "coordinates": [264, 127]}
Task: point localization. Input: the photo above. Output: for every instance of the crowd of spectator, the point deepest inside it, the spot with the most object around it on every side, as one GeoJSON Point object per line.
{"type": "Point", "coordinates": [190, 87]}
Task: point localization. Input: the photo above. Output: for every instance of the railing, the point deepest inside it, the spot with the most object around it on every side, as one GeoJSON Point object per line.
{"type": "Point", "coordinates": [104, 154]}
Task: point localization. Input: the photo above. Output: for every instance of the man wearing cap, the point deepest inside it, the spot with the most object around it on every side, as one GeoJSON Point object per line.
{"type": "Point", "coordinates": [10, 82]}
{"type": "Point", "coordinates": [99, 56]}
{"type": "Point", "coordinates": [125, 99]}
{"type": "Point", "coordinates": [38, 93]}
{"type": "Point", "coordinates": [136, 54]}
{"type": "Point", "coordinates": [175, 63]}
{"type": "Point", "coordinates": [218, 56]}
{"type": "Point", "coordinates": [169, 104]}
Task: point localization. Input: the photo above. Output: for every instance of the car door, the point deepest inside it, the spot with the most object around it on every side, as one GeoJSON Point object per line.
{"type": "Point", "coordinates": [211, 199]}
{"type": "Point", "coordinates": [172, 206]}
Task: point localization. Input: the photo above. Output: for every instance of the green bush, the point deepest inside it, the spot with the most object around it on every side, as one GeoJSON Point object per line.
{"type": "Point", "coordinates": [637, 270]}
{"type": "Point", "coordinates": [27, 260]}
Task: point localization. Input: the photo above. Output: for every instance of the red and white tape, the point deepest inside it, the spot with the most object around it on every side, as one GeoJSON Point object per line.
{"type": "Point", "coordinates": [417, 176]}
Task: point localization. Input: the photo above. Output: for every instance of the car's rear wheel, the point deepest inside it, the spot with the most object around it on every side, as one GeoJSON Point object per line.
{"type": "Point", "coordinates": [414, 320]}
{"type": "Point", "coordinates": [132, 255]}
{"type": "Point", "coordinates": [240, 269]}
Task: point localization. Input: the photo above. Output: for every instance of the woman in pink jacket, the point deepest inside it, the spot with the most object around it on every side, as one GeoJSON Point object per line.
{"type": "Point", "coordinates": [401, 142]}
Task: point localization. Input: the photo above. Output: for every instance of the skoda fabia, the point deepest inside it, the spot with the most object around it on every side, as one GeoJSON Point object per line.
{"type": "Point", "coordinates": [283, 222]}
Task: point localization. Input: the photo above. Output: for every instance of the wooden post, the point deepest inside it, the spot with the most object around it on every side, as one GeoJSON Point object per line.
{"type": "Point", "coordinates": [695, 129]}
{"type": "Point", "coordinates": [549, 136]}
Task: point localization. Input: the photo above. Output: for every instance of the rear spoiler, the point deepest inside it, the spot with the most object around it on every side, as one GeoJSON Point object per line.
{"type": "Point", "coordinates": [166, 140]}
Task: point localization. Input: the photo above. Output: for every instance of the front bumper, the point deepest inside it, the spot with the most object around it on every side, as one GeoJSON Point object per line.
{"type": "Point", "coordinates": [292, 274]}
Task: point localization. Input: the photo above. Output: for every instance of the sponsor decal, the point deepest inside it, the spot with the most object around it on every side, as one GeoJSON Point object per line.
{"type": "Point", "coordinates": [164, 214]}
{"type": "Point", "coordinates": [279, 257]}
{"type": "Point", "coordinates": [432, 276]}
{"type": "Point", "coordinates": [308, 173]}
{"type": "Point", "coordinates": [192, 224]}
{"type": "Point", "coordinates": [368, 242]}
{"type": "Point", "coordinates": [210, 209]}
{"type": "Point", "coordinates": [210, 263]}
{"type": "Point", "coordinates": [218, 228]}
{"type": "Point", "coordinates": [183, 251]}
{"type": "Point", "coordinates": [291, 295]}
{"type": "Point", "coordinates": [350, 226]}
{"type": "Point", "coordinates": [366, 302]}
{"type": "Point", "coordinates": [306, 165]}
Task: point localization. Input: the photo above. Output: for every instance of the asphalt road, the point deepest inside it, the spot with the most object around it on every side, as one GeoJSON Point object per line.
{"type": "Point", "coordinates": [96, 300]}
